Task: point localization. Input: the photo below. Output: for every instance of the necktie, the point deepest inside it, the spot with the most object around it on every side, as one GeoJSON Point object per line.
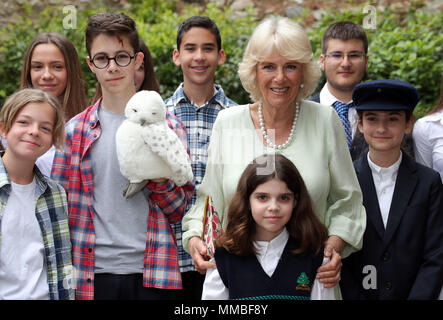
{"type": "Point", "coordinates": [342, 111]}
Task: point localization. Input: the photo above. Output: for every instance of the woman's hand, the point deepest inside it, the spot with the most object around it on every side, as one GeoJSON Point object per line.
{"type": "Point", "coordinates": [329, 273]}
{"type": "Point", "coordinates": [198, 251]}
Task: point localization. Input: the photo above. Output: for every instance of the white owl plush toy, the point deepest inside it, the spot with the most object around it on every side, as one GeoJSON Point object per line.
{"type": "Point", "coordinates": [146, 147]}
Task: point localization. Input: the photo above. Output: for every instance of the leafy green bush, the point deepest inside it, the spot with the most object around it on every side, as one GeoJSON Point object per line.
{"type": "Point", "coordinates": [406, 46]}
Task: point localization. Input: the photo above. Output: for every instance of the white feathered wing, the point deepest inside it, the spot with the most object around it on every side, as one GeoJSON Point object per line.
{"type": "Point", "coordinates": [164, 142]}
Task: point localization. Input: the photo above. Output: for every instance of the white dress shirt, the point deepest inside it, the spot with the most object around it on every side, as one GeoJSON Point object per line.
{"type": "Point", "coordinates": [326, 97]}
{"type": "Point", "coordinates": [428, 141]}
{"type": "Point", "coordinates": [268, 254]}
{"type": "Point", "coordinates": [384, 181]}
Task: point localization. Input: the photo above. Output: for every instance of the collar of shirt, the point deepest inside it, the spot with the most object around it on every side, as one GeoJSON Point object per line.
{"type": "Point", "coordinates": [269, 252]}
{"type": "Point", "coordinates": [219, 96]}
{"type": "Point", "coordinates": [326, 97]}
{"type": "Point", "coordinates": [40, 179]}
{"type": "Point", "coordinates": [434, 117]}
{"type": "Point", "coordinates": [390, 171]}
{"type": "Point", "coordinates": [93, 120]}
{"type": "Point", "coordinates": [384, 182]}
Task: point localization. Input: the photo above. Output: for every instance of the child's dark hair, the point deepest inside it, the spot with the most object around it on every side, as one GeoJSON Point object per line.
{"type": "Point", "coordinates": [114, 24]}
{"type": "Point", "coordinates": [344, 30]}
{"type": "Point", "coordinates": [198, 22]}
{"type": "Point", "coordinates": [303, 225]}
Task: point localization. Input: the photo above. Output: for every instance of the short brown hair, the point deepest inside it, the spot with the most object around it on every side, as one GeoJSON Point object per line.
{"type": "Point", "coordinates": [303, 225]}
{"type": "Point", "coordinates": [149, 83]}
{"type": "Point", "coordinates": [344, 30]}
{"type": "Point", "coordinates": [21, 99]}
{"type": "Point", "coordinates": [114, 24]}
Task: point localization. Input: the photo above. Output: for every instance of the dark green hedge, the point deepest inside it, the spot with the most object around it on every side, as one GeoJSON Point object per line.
{"type": "Point", "coordinates": [406, 46]}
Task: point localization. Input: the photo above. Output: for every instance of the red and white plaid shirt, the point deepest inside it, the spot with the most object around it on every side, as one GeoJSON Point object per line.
{"type": "Point", "coordinates": [72, 168]}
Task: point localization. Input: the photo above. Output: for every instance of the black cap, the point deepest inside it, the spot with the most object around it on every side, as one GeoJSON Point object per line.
{"type": "Point", "coordinates": [385, 95]}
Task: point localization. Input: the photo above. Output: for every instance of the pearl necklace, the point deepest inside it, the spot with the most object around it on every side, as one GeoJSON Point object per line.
{"type": "Point", "coordinates": [265, 135]}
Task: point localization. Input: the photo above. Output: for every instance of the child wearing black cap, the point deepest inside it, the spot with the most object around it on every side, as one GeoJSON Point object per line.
{"type": "Point", "coordinates": [402, 254]}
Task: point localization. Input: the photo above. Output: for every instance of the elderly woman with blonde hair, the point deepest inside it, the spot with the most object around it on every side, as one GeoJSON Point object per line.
{"type": "Point", "coordinates": [278, 72]}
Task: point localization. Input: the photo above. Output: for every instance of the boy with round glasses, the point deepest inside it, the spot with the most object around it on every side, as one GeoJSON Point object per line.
{"type": "Point", "coordinates": [122, 59]}
{"type": "Point", "coordinates": [122, 249]}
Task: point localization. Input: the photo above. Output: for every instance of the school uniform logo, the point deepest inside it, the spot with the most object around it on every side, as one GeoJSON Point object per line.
{"type": "Point", "coordinates": [303, 282]}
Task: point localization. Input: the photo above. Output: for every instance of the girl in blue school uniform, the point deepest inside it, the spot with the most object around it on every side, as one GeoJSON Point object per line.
{"type": "Point", "coordinates": [273, 243]}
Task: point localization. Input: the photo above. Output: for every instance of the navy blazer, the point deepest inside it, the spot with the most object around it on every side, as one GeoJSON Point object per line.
{"type": "Point", "coordinates": [408, 255]}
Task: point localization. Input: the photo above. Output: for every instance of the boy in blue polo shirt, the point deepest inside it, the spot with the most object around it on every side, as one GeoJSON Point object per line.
{"type": "Point", "coordinates": [402, 254]}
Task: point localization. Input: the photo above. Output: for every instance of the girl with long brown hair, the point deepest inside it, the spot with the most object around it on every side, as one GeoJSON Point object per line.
{"type": "Point", "coordinates": [273, 243]}
{"type": "Point", "coordinates": [52, 65]}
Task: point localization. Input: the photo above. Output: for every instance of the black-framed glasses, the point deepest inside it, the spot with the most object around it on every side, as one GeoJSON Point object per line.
{"type": "Point", "coordinates": [122, 59]}
{"type": "Point", "coordinates": [352, 56]}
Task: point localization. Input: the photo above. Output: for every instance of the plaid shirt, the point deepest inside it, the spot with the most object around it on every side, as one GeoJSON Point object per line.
{"type": "Point", "coordinates": [51, 213]}
{"type": "Point", "coordinates": [198, 122]}
{"type": "Point", "coordinates": [73, 168]}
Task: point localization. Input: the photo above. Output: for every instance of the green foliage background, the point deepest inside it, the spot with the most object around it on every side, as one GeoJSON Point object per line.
{"type": "Point", "coordinates": [405, 46]}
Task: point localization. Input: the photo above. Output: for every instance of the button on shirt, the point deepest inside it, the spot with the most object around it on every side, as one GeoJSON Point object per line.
{"type": "Point", "coordinates": [384, 181]}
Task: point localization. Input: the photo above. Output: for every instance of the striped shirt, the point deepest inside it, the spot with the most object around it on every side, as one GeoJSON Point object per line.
{"type": "Point", "coordinates": [51, 213]}
{"type": "Point", "coordinates": [198, 122]}
{"type": "Point", "coordinates": [167, 202]}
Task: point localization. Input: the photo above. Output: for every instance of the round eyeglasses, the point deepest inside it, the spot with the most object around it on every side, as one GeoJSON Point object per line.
{"type": "Point", "coordinates": [122, 59]}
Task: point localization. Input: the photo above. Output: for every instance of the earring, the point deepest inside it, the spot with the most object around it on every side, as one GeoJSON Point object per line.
{"type": "Point", "coordinates": [302, 86]}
